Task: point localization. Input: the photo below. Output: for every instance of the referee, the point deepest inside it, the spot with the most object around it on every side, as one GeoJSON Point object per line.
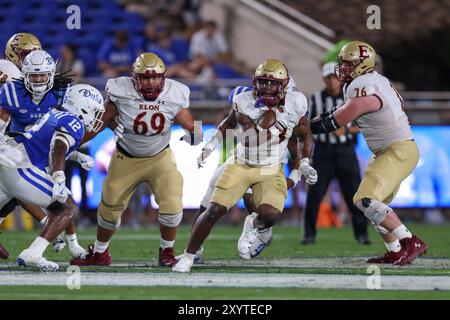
{"type": "Point", "coordinates": [334, 157]}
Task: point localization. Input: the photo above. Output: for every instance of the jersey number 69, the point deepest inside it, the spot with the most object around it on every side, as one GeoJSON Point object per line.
{"type": "Point", "coordinates": [157, 122]}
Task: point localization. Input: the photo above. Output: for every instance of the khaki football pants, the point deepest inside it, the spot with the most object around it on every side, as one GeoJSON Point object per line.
{"type": "Point", "coordinates": [268, 184]}
{"type": "Point", "coordinates": [386, 171]}
{"type": "Point", "coordinates": [125, 174]}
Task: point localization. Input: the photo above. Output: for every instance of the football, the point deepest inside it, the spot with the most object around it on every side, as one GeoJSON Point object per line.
{"type": "Point", "coordinates": [268, 119]}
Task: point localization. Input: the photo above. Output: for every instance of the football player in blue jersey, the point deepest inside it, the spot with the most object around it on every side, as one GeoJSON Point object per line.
{"type": "Point", "coordinates": [22, 103]}
{"type": "Point", "coordinates": [39, 177]}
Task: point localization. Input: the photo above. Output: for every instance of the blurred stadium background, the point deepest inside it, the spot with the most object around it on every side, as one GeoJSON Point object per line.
{"type": "Point", "coordinates": [413, 44]}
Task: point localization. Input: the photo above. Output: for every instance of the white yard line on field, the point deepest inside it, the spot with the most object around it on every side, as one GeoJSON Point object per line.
{"type": "Point", "coordinates": [235, 280]}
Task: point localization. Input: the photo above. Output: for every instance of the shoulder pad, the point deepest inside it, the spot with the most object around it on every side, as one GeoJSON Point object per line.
{"type": "Point", "coordinates": [360, 87]}
{"type": "Point", "coordinates": [236, 91]}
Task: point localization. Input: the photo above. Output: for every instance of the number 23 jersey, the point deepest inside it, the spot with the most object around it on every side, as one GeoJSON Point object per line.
{"type": "Point", "coordinates": [146, 123]}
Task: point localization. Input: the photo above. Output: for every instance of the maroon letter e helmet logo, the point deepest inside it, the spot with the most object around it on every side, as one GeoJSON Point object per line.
{"type": "Point", "coordinates": [363, 52]}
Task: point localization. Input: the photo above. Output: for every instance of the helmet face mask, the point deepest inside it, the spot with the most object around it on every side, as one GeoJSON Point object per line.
{"type": "Point", "coordinates": [270, 81]}
{"type": "Point", "coordinates": [150, 86]}
{"type": "Point", "coordinates": [269, 90]}
{"type": "Point", "coordinates": [345, 71]}
{"type": "Point", "coordinates": [149, 73]}
{"type": "Point", "coordinates": [35, 84]}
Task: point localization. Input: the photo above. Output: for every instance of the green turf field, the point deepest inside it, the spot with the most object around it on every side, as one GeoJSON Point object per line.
{"type": "Point", "coordinates": [333, 268]}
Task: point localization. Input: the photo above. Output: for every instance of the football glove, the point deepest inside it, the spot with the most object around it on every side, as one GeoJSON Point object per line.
{"type": "Point", "coordinates": [308, 171]}
{"type": "Point", "coordinates": [60, 192]}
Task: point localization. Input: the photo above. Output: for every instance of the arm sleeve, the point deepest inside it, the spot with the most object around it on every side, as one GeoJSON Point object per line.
{"type": "Point", "coordinates": [66, 138]}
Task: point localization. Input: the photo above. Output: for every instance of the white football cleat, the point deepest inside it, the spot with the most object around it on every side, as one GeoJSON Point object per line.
{"type": "Point", "coordinates": [198, 259]}
{"type": "Point", "coordinates": [259, 240]}
{"type": "Point", "coordinates": [27, 258]}
{"type": "Point", "coordinates": [183, 265]}
{"type": "Point", "coordinates": [244, 239]}
{"type": "Point", "coordinates": [77, 251]}
{"type": "Point", "coordinates": [59, 244]}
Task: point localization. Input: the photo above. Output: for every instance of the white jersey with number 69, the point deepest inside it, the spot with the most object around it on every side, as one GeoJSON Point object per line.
{"type": "Point", "coordinates": [146, 123]}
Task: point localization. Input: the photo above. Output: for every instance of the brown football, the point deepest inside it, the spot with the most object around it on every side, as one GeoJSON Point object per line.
{"type": "Point", "coordinates": [268, 119]}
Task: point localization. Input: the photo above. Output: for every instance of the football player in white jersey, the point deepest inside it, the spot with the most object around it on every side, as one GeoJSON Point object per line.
{"type": "Point", "coordinates": [145, 105]}
{"type": "Point", "coordinates": [17, 49]}
{"type": "Point", "coordinates": [228, 146]}
{"type": "Point", "coordinates": [266, 118]}
{"type": "Point", "coordinates": [373, 104]}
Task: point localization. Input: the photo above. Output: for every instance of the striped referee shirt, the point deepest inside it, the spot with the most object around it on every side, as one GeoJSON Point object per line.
{"type": "Point", "coordinates": [321, 102]}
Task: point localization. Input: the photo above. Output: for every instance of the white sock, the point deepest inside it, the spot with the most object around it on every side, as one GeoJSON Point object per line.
{"type": "Point", "coordinates": [72, 239]}
{"type": "Point", "coordinates": [393, 246]}
{"type": "Point", "coordinates": [100, 247]}
{"type": "Point", "coordinates": [166, 244]}
{"type": "Point", "coordinates": [38, 246]}
{"type": "Point", "coordinates": [43, 221]}
{"type": "Point", "coordinates": [1, 220]}
{"type": "Point", "coordinates": [401, 232]}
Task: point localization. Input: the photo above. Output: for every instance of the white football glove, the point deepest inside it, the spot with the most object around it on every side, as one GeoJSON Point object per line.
{"type": "Point", "coordinates": [118, 132]}
{"type": "Point", "coordinates": [206, 152]}
{"type": "Point", "coordinates": [60, 192]}
{"type": "Point", "coordinates": [308, 171]}
{"type": "Point", "coordinates": [85, 161]}
{"type": "Point", "coordinates": [193, 138]}
{"type": "Point", "coordinates": [295, 176]}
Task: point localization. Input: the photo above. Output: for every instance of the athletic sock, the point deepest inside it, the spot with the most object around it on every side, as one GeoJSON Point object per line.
{"type": "Point", "coordinates": [72, 239]}
{"type": "Point", "coordinates": [100, 247]}
{"type": "Point", "coordinates": [38, 246]}
{"type": "Point", "coordinates": [401, 232]}
{"type": "Point", "coordinates": [163, 244]}
{"type": "Point", "coordinates": [393, 246]}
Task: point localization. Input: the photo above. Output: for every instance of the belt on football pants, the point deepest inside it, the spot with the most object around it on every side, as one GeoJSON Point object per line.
{"type": "Point", "coordinates": [128, 155]}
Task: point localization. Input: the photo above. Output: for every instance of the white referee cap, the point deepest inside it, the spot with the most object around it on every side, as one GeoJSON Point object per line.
{"type": "Point", "coordinates": [328, 68]}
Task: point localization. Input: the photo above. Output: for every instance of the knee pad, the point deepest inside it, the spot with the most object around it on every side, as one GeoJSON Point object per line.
{"type": "Point", "coordinates": [170, 220]}
{"type": "Point", "coordinates": [376, 211]}
{"type": "Point", "coordinates": [8, 208]}
{"type": "Point", "coordinates": [109, 217]}
{"type": "Point", "coordinates": [111, 226]}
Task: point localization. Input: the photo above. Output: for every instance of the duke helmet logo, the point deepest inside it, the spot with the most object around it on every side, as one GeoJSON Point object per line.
{"type": "Point", "coordinates": [88, 94]}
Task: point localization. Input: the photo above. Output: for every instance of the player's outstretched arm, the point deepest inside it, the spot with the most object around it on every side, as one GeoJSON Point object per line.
{"type": "Point", "coordinates": [60, 145]}
{"type": "Point", "coordinates": [228, 123]}
{"type": "Point", "coordinates": [294, 177]}
{"type": "Point", "coordinates": [303, 132]}
{"type": "Point", "coordinates": [351, 110]}
{"type": "Point", "coordinates": [187, 122]}
{"type": "Point", "coordinates": [4, 117]}
{"type": "Point", "coordinates": [107, 118]}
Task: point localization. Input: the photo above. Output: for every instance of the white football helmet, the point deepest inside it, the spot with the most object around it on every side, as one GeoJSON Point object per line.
{"type": "Point", "coordinates": [8, 71]}
{"type": "Point", "coordinates": [86, 102]}
{"type": "Point", "coordinates": [38, 62]}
